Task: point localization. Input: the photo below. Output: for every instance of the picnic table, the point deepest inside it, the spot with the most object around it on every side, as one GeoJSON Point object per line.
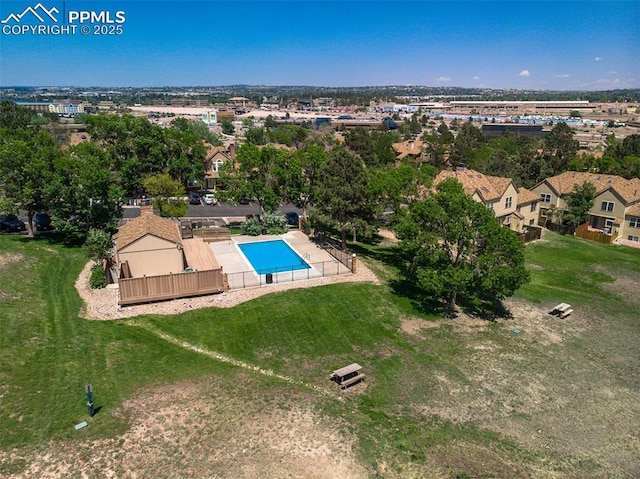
{"type": "Point", "coordinates": [562, 310]}
{"type": "Point", "coordinates": [347, 376]}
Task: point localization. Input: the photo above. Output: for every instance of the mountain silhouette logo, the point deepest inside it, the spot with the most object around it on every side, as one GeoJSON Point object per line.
{"type": "Point", "coordinates": [39, 12]}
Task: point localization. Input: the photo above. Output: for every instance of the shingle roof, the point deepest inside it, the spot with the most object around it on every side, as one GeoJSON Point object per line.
{"type": "Point", "coordinates": [634, 210]}
{"type": "Point", "coordinates": [628, 190]}
{"type": "Point", "coordinates": [144, 225]}
{"type": "Point", "coordinates": [408, 148]}
{"type": "Point", "coordinates": [525, 196]}
{"type": "Point", "coordinates": [488, 187]}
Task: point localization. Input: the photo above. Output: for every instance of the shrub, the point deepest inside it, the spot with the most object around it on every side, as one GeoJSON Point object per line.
{"type": "Point", "coordinates": [97, 280]}
{"type": "Point", "coordinates": [252, 226]}
{"type": "Point", "coordinates": [274, 223]}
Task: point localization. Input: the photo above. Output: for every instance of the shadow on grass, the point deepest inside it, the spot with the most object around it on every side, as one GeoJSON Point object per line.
{"type": "Point", "coordinates": [68, 240]}
{"type": "Point", "coordinates": [487, 310]}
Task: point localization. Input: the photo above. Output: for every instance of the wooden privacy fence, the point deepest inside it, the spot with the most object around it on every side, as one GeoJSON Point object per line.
{"type": "Point", "coordinates": [583, 231]}
{"type": "Point", "coordinates": [171, 286]}
{"type": "Point", "coordinates": [531, 234]}
{"type": "Point", "coordinates": [562, 229]}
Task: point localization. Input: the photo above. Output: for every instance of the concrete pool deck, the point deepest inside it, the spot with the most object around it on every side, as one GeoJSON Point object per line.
{"type": "Point", "coordinates": [242, 275]}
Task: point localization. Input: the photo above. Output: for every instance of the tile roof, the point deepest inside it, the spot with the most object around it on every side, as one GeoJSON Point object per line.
{"type": "Point", "coordinates": [144, 225]}
{"type": "Point", "coordinates": [628, 190]}
{"type": "Point", "coordinates": [488, 187]}
{"type": "Point", "coordinates": [525, 196]}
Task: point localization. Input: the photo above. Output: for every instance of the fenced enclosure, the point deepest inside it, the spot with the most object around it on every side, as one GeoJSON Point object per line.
{"type": "Point", "coordinates": [533, 233]}
{"type": "Point", "coordinates": [147, 289]}
{"type": "Point", "coordinates": [249, 279]}
{"type": "Point", "coordinates": [583, 231]}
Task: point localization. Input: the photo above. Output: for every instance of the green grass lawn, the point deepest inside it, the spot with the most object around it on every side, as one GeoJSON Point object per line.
{"type": "Point", "coordinates": [429, 398]}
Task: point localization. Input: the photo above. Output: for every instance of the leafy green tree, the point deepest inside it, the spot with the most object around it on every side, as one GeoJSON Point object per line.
{"type": "Point", "coordinates": [99, 244]}
{"type": "Point", "coordinates": [298, 179]}
{"type": "Point", "coordinates": [455, 248]}
{"type": "Point", "coordinates": [342, 192]}
{"type": "Point", "coordinates": [198, 128]}
{"type": "Point", "coordinates": [256, 136]}
{"type": "Point", "coordinates": [14, 117]}
{"type": "Point", "coordinates": [166, 194]}
{"type": "Point", "coordinates": [227, 127]}
{"type": "Point", "coordinates": [256, 173]}
{"type": "Point", "coordinates": [83, 192]}
{"type": "Point", "coordinates": [560, 147]}
{"type": "Point", "coordinates": [27, 159]}
{"type": "Point", "coordinates": [469, 139]}
{"type": "Point", "coordinates": [579, 202]}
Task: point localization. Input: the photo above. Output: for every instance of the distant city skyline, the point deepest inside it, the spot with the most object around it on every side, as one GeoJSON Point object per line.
{"type": "Point", "coordinates": [539, 45]}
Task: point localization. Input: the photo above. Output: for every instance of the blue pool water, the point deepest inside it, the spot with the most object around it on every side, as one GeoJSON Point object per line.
{"type": "Point", "coordinates": [272, 257]}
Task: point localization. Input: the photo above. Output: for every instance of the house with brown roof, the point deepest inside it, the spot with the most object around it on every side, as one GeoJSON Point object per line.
{"type": "Point", "coordinates": [616, 209]}
{"type": "Point", "coordinates": [527, 210]}
{"type": "Point", "coordinates": [410, 150]}
{"type": "Point", "coordinates": [215, 158]}
{"type": "Point", "coordinates": [498, 194]}
{"type": "Point", "coordinates": [147, 246]}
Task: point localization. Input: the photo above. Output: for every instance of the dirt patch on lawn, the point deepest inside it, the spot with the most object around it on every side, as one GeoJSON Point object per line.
{"type": "Point", "coordinates": [626, 287]}
{"type": "Point", "coordinates": [9, 258]}
{"type": "Point", "coordinates": [211, 428]}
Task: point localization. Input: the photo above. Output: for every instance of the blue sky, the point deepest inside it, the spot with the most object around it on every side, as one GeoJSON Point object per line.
{"type": "Point", "coordinates": [555, 45]}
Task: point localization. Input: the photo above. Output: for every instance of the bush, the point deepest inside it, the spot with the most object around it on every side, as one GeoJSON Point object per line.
{"type": "Point", "coordinates": [97, 280]}
{"type": "Point", "coordinates": [274, 223]}
{"type": "Point", "coordinates": [252, 227]}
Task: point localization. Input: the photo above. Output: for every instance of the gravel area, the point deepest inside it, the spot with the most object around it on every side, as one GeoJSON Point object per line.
{"type": "Point", "coordinates": [103, 303]}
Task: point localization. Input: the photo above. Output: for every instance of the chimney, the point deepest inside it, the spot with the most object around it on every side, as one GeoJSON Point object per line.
{"type": "Point", "coordinates": [410, 145]}
{"type": "Point", "coordinates": [232, 150]}
{"type": "Point", "coordinates": [146, 210]}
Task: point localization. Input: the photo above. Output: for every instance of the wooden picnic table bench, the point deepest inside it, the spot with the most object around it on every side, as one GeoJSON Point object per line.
{"type": "Point", "coordinates": [566, 313]}
{"type": "Point", "coordinates": [560, 308]}
{"type": "Point", "coordinates": [347, 376]}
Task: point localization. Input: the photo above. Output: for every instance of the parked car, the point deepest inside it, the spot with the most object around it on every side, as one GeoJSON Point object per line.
{"type": "Point", "coordinates": [42, 221]}
{"type": "Point", "coordinates": [209, 199]}
{"type": "Point", "coordinates": [12, 223]}
{"type": "Point", "coordinates": [292, 218]}
{"type": "Point", "coordinates": [194, 199]}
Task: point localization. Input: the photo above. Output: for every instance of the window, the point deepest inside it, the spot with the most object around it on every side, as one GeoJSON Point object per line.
{"type": "Point", "coordinates": [633, 238]}
{"type": "Point", "coordinates": [545, 197]}
{"type": "Point", "coordinates": [607, 206]}
{"type": "Point", "coordinates": [634, 222]}
{"type": "Point", "coordinates": [507, 220]}
{"type": "Point", "coordinates": [534, 206]}
{"type": "Point", "coordinates": [490, 206]}
{"type": "Point", "coordinates": [508, 201]}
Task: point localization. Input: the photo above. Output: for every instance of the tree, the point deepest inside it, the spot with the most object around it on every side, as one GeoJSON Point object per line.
{"type": "Point", "coordinates": [454, 248]}
{"type": "Point", "coordinates": [27, 157]}
{"type": "Point", "coordinates": [84, 193]}
{"type": "Point", "coordinates": [98, 244]}
{"type": "Point", "coordinates": [227, 127]}
{"type": "Point", "coordinates": [560, 146]}
{"type": "Point", "coordinates": [256, 173]}
{"type": "Point", "coordinates": [342, 193]}
{"type": "Point", "coordinates": [14, 117]}
{"type": "Point", "coordinates": [579, 202]}
{"type": "Point", "coordinates": [161, 187]}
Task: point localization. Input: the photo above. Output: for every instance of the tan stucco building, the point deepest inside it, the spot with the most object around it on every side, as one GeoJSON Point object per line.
{"type": "Point", "coordinates": [616, 209]}
{"type": "Point", "coordinates": [147, 246]}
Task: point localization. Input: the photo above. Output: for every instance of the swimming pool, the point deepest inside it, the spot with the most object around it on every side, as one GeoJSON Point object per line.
{"type": "Point", "coordinates": [272, 257]}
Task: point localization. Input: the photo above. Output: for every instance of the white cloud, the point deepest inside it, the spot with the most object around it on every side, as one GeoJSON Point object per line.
{"type": "Point", "coordinates": [443, 79]}
{"type": "Point", "coordinates": [525, 73]}
{"type": "Point", "coordinates": [563, 75]}
{"type": "Point", "coordinates": [613, 72]}
{"type": "Point", "coordinates": [598, 59]}
{"type": "Point", "coordinates": [476, 77]}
